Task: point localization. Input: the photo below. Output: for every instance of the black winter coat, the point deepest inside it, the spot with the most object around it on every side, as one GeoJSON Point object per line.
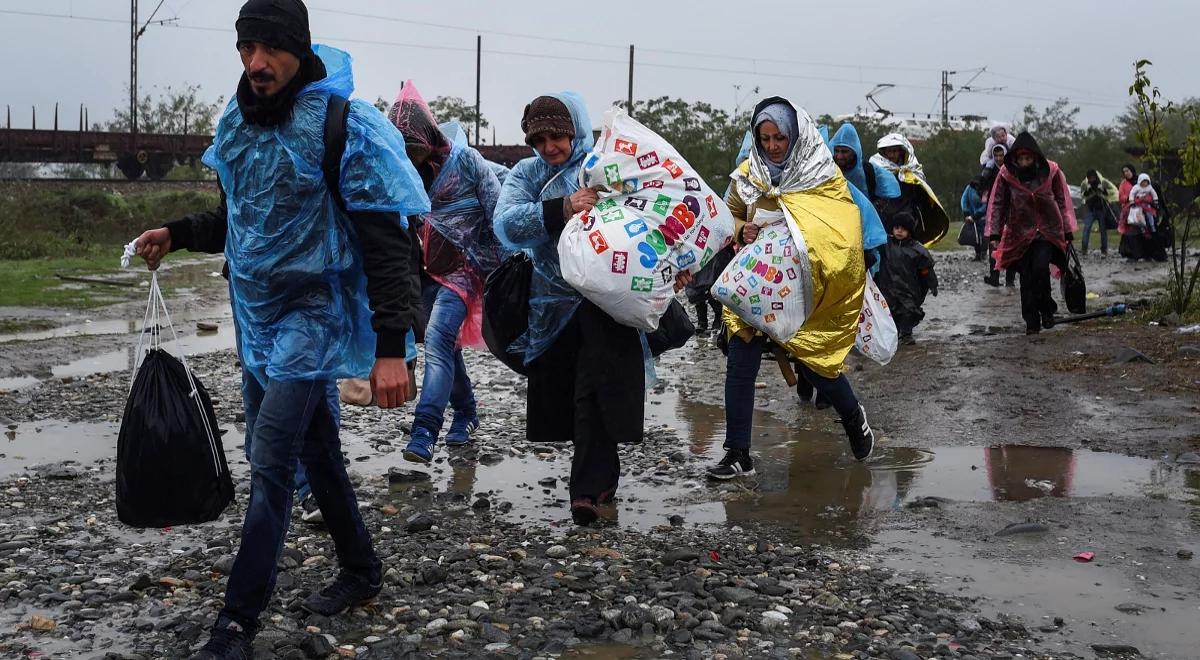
{"type": "Point", "coordinates": [905, 277]}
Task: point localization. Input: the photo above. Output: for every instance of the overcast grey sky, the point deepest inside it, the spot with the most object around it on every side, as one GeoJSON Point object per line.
{"type": "Point", "coordinates": [824, 56]}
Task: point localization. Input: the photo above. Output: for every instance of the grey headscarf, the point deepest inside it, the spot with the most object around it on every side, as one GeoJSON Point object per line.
{"type": "Point", "coordinates": [783, 116]}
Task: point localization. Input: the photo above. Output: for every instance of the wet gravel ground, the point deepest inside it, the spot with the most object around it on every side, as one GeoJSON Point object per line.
{"type": "Point", "coordinates": [476, 571]}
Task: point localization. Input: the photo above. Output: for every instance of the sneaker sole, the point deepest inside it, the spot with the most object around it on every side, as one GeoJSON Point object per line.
{"type": "Point", "coordinates": [720, 477]}
{"type": "Point", "coordinates": [414, 457]}
{"type": "Point", "coordinates": [456, 443]}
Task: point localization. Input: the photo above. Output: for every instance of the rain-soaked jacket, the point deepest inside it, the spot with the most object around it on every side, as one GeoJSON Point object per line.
{"type": "Point", "coordinates": [295, 261]}
{"type": "Point", "coordinates": [916, 196]}
{"type": "Point", "coordinates": [520, 224]}
{"type": "Point", "coordinates": [1020, 212]}
{"type": "Point", "coordinates": [905, 277]}
{"type": "Point", "coordinates": [814, 192]}
{"type": "Point", "coordinates": [459, 248]}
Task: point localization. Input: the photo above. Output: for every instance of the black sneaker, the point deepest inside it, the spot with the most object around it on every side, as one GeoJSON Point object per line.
{"type": "Point", "coordinates": [311, 513]}
{"type": "Point", "coordinates": [345, 592]}
{"type": "Point", "coordinates": [228, 641]}
{"type": "Point", "coordinates": [908, 340]}
{"type": "Point", "coordinates": [991, 280]}
{"type": "Point", "coordinates": [737, 463]}
{"type": "Point", "coordinates": [1047, 320]}
{"type": "Point", "coordinates": [858, 431]}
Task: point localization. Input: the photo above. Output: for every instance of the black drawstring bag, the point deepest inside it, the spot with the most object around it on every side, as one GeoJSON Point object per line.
{"type": "Point", "coordinates": [171, 467]}
{"type": "Point", "coordinates": [674, 330]}
{"type": "Point", "coordinates": [1074, 289]}
{"type": "Point", "coordinates": [968, 235]}
{"type": "Point", "coordinates": [506, 308]}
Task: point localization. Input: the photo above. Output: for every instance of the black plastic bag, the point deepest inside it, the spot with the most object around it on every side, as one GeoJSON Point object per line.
{"type": "Point", "coordinates": [171, 467]}
{"type": "Point", "coordinates": [968, 235]}
{"type": "Point", "coordinates": [506, 308]}
{"type": "Point", "coordinates": [1074, 289]}
{"type": "Point", "coordinates": [674, 330]}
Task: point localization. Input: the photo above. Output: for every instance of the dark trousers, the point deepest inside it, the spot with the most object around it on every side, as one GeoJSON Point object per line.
{"type": "Point", "coordinates": [1095, 216]}
{"type": "Point", "coordinates": [1034, 265]}
{"type": "Point", "coordinates": [702, 307]}
{"type": "Point", "coordinates": [292, 419]}
{"type": "Point", "coordinates": [1010, 275]}
{"type": "Point", "coordinates": [589, 387]}
{"type": "Point", "coordinates": [745, 359]}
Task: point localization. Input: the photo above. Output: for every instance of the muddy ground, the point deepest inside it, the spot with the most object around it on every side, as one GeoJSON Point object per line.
{"type": "Point", "coordinates": [981, 427]}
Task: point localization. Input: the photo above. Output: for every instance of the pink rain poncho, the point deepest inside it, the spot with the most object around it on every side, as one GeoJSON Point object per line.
{"type": "Point", "coordinates": [459, 248]}
{"type": "Point", "coordinates": [1021, 211]}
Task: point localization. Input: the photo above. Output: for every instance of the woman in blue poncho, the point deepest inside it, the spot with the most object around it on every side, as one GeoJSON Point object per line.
{"type": "Point", "coordinates": [586, 378]}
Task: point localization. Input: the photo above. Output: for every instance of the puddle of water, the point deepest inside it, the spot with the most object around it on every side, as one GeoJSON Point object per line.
{"type": "Point", "coordinates": [37, 443]}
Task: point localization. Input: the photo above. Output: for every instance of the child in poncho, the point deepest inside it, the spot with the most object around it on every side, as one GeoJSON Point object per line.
{"type": "Point", "coordinates": [906, 276]}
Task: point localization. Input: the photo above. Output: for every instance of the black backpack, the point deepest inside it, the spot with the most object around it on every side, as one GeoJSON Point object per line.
{"type": "Point", "coordinates": [335, 146]}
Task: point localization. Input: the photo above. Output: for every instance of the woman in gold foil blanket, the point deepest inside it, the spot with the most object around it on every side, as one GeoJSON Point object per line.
{"type": "Point", "coordinates": [791, 169]}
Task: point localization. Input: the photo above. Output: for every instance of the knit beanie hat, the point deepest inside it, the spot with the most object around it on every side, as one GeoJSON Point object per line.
{"type": "Point", "coordinates": [281, 24]}
{"type": "Point", "coordinates": [906, 220]}
{"type": "Point", "coordinates": [547, 115]}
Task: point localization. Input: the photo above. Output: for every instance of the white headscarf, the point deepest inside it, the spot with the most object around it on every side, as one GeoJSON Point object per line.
{"type": "Point", "coordinates": [907, 172]}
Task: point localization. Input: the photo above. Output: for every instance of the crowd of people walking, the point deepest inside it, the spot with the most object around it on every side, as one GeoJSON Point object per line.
{"type": "Point", "coordinates": [351, 236]}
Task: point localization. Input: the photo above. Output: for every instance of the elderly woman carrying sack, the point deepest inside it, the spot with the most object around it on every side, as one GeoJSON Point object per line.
{"type": "Point", "coordinates": [586, 376]}
{"type": "Point", "coordinates": [791, 169]}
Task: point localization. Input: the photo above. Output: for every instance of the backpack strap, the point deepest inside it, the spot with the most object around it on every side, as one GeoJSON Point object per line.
{"type": "Point", "coordinates": [336, 115]}
{"type": "Point", "coordinates": [869, 173]}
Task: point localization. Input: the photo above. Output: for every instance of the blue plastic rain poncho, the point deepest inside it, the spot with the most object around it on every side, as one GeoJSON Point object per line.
{"type": "Point", "coordinates": [295, 263]}
{"type": "Point", "coordinates": [874, 235]}
{"type": "Point", "coordinates": [886, 186]}
{"type": "Point", "coordinates": [520, 225]}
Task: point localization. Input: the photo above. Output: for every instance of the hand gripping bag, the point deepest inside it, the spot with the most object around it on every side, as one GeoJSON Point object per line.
{"type": "Point", "coordinates": [877, 337]}
{"type": "Point", "coordinates": [656, 217]}
{"type": "Point", "coordinates": [171, 467]}
{"type": "Point", "coordinates": [769, 282]}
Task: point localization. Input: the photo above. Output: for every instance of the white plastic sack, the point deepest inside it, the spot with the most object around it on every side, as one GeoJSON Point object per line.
{"type": "Point", "coordinates": [656, 217]}
{"type": "Point", "coordinates": [769, 282]}
{"type": "Point", "coordinates": [1137, 218]}
{"type": "Point", "coordinates": [877, 337]}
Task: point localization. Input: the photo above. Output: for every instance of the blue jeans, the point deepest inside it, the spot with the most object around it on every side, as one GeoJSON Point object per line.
{"type": "Point", "coordinates": [445, 380]}
{"type": "Point", "coordinates": [745, 359]}
{"type": "Point", "coordinates": [1093, 217]}
{"type": "Point", "coordinates": [292, 420]}
{"type": "Point", "coordinates": [303, 489]}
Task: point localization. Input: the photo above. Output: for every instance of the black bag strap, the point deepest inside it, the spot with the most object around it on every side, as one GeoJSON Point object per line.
{"type": "Point", "coordinates": [336, 115]}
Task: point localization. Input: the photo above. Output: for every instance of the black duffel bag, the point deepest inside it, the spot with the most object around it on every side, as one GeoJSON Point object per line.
{"type": "Point", "coordinates": [506, 308]}
{"type": "Point", "coordinates": [968, 235]}
{"type": "Point", "coordinates": [171, 467]}
{"type": "Point", "coordinates": [1074, 289]}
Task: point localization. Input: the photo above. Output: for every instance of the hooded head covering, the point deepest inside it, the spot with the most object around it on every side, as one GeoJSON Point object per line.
{"type": "Point", "coordinates": [782, 115]}
{"type": "Point", "coordinates": [1143, 178]}
{"type": "Point", "coordinates": [581, 127]}
{"type": "Point", "coordinates": [1131, 168]}
{"type": "Point", "coordinates": [1025, 143]}
{"type": "Point", "coordinates": [809, 162]}
{"type": "Point", "coordinates": [847, 136]}
{"type": "Point", "coordinates": [910, 169]}
{"type": "Point", "coordinates": [998, 126]}
{"type": "Point", "coordinates": [412, 116]}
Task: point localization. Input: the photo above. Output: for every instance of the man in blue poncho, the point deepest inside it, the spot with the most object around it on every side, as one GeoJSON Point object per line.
{"type": "Point", "coordinates": [321, 287]}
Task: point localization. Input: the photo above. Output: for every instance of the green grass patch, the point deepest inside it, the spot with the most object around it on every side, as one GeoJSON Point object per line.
{"type": "Point", "coordinates": [15, 326]}
{"type": "Point", "coordinates": [35, 282]}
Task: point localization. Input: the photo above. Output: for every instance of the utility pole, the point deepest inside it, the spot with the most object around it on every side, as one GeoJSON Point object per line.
{"type": "Point", "coordinates": [478, 77]}
{"type": "Point", "coordinates": [133, 41]}
{"type": "Point", "coordinates": [630, 80]}
{"type": "Point", "coordinates": [946, 89]}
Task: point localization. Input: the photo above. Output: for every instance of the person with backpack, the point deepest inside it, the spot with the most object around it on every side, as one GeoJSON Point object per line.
{"type": "Point", "coordinates": [872, 180]}
{"type": "Point", "coordinates": [459, 250]}
{"type": "Point", "coordinates": [1031, 223]}
{"type": "Point", "coordinates": [333, 300]}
